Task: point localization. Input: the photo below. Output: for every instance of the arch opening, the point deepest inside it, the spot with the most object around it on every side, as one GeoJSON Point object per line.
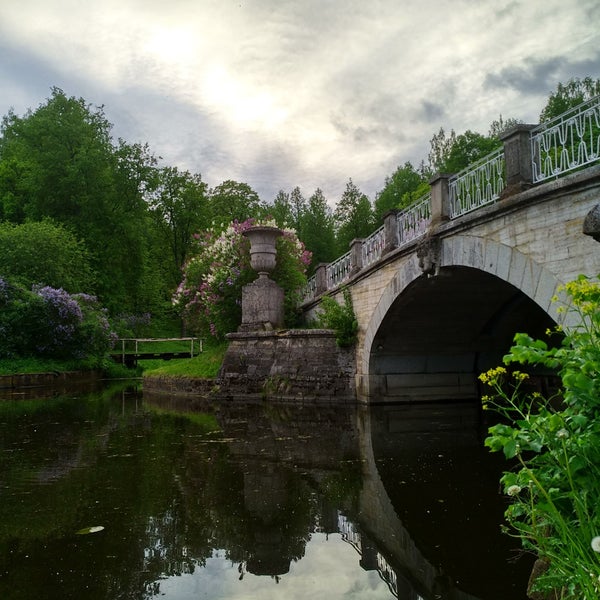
{"type": "Point", "coordinates": [441, 332]}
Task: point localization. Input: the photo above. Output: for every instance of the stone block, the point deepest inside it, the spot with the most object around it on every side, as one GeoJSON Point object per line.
{"type": "Point", "coordinates": [262, 305]}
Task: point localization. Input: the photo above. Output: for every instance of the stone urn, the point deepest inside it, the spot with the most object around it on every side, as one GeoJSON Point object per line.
{"type": "Point", "coordinates": [262, 300]}
{"type": "Point", "coordinates": [263, 254]}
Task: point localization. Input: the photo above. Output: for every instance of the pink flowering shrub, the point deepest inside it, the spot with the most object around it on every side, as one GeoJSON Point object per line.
{"type": "Point", "coordinates": [210, 293]}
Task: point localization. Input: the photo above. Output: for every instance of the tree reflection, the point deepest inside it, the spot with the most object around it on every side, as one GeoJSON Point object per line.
{"type": "Point", "coordinates": [171, 490]}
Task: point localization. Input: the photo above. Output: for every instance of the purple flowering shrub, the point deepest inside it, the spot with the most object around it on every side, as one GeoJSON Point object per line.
{"type": "Point", "coordinates": [210, 293]}
{"type": "Point", "coordinates": [50, 322]}
{"type": "Point", "coordinates": [57, 334]}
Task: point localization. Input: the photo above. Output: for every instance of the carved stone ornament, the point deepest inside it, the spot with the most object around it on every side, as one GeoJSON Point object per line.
{"type": "Point", "coordinates": [591, 223]}
{"type": "Point", "coordinates": [428, 253]}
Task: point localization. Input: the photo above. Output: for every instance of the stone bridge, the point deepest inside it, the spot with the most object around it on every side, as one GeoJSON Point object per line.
{"type": "Point", "coordinates": [440, 289]}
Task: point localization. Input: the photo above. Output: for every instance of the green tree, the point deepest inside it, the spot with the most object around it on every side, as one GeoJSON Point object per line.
{"type": "Point", "coordinates": [45, 253]}
{"type": "Point", "coordinates": [318, 231]}
{"type": "Point", "coordinates": [354, 217]}
{"type": "Point", "coordinates": [233, 201]}
{"type": "Point", "coordinates": [179, 208]}
{"type": "Point", "coordinates": [455, 153]}
{"type": "Point", "coordinates": [439, 148]}
{"type": "Point", "coordinates": [499, 126]}
{"type": "Point", "coordinates": [59, 162]}
{"type": "Point", "coordinates": [568, 96]}
{"type": "Point", "coordinates": [288, 209]}
{"type": "Point", "coordinates": [281, 210]}
{"type": "Point", "coordinates": [298, 208]}
{"type": "Point", "coordinates": [404, 186]}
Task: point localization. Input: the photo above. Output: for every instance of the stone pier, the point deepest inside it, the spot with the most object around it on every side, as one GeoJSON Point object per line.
{"type": "Point", "coordinates": [266, 361]}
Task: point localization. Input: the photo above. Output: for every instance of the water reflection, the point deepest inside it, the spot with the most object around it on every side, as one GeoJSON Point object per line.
{"type": "Point", "coordinates": [242, 501]}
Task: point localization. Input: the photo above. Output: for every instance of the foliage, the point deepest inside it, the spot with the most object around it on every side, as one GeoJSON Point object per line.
{"type": "Point", "coordinates": [59, 162]}
{"type": "Point", "coordinates": [209, 295]}
{"type": "Point", "coordinates": [50, 322]}
{"type": "Point", "coordinates": [233, 201]}
{"type": "Point", "coordinates": [353, 216]}
{"type": "Point", "coordinates": [499, 126]}
{"type": "Point", "coordinates": [556, 484]}
{"type": "Point", "coordinates": [340, 318]}
{"type": "Point", "coordinates": [281, 209]}
{"type": "Point", "coordinates": [312, 220]}
{"type": "Point", "coordinates": [404, 186]}
{"type": "Point", "coordinates": [569, 95]}
{"type": "Point", "coordinates": [456, 152]}
{"type": "Point", "coordinates": [178, 206]}
{"type": "Point", "coordinates": [45, 253]}
{"type": "Point", "coordinates": [318, 231]}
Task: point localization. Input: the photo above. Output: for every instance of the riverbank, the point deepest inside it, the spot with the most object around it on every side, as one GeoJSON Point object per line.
{"type": "Point", "coordinates": [29, 380]}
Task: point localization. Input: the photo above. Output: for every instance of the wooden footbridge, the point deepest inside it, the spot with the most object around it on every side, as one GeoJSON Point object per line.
{"type": "Point", "coordinates": [134, 349]}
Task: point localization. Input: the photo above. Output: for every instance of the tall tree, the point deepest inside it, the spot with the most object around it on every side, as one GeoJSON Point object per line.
{"type": "Point", "coordinates": [439, 147]}
{"type": "Point", "coordinates": [404, 186]}
{"type": "Point", "coordinates": [353, 216]}
{"type": "Point", "coordinates": [456, 152]}
{"type": "Point", "coordinates": [179, 209]}
{"type": "Point", "coordinates": [233, 201]}
{"type": "Point", "coordinates": [569, 95]}
{"type": "Point", "coordinates": [318, 232]}
{"type": "Point", "coordinates": [59, 162]}
{"type": "Point", "coordinates": [281, 210]}
{"type": "Point", "coordinates": [499, 126]}
{"type": "Point", "coordinates": [298, 207]}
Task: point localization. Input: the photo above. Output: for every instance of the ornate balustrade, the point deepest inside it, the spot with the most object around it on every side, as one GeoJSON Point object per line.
{"type": "Point", "coordinates": [339, 270]}
{"type": "Point", "coordinates": [478, 185]}
{"type": "Point", "coordinates": [310, 290]}
{"type": "Point", "coordinates": [372, 247]}
{"type": "Point", "coordinates": [414, 221]}
{"type": "Point", "coordinates": [566, 143]}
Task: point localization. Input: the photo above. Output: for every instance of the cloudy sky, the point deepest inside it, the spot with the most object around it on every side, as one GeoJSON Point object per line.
{"type": "Point", "coordinates": [285, 93]}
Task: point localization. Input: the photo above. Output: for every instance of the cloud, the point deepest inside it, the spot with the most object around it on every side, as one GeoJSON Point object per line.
{"type": "Point", "coordinates": [279, 94]}
{"type": "Point", "coordinates": [537, 76]}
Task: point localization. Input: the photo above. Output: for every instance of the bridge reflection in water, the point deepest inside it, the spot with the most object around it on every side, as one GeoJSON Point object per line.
{"type": "Point", "coordinates": [421, 503]}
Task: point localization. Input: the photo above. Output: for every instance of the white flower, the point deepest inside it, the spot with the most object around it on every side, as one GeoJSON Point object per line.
{"type": "Point", "coordinates": [513, 490]}
{"type": "Point", "coordinates": [562, 433]}
{"type": "Point", "coordinates": [596, 544]}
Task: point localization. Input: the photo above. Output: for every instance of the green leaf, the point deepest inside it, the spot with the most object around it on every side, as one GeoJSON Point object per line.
{"type": "Point", "coordinates": [510, 448]}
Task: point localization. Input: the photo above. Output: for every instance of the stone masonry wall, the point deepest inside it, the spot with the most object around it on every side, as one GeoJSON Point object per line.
{"type": "Point", "coordinates": [293, 365]}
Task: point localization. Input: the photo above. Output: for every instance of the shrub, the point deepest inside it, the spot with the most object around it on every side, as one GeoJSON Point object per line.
{"type": "Point", "coordinates": [556, 484]}
{"type": "Point", "coordinates": [340, 318]}
{"type": "Point", "coordinates": [50, 322]}
{"type": "Point", "coordinates": [45, 253]}
{"type": "Point", "coordinates": [209, 296]}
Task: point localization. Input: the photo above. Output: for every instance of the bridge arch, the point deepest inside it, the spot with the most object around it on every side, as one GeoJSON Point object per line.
{"type": "Point", "coordinates": [491, 289]}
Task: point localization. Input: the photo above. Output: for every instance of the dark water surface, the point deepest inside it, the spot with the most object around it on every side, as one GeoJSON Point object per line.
{"type": "Point", "coordinates": [249, 501]}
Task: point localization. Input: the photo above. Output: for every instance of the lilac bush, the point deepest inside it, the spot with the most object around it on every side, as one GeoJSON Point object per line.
{"type": "Point", "coordinates": [63, 319]}
{"type": "Point", "coordinates": [50, 322]}
{"type": "Point", "coordinates": [209, 295]}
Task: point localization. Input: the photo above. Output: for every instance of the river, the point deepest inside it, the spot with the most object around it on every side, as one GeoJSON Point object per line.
{"type": "Point", "coordinates": [108, 495]}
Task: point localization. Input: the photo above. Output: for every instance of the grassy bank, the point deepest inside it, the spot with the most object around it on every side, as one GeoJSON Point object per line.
{"type": "Point", "coordinates": [46, 365]}
{"type": "Point", "coordinates": [206, 365]}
